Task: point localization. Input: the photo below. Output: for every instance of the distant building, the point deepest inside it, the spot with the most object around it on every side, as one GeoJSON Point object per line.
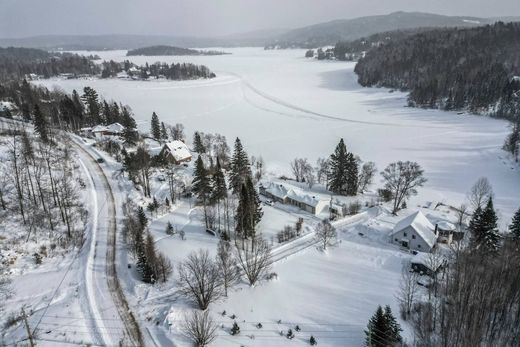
{"type": "Point", "coordinates": [102, 131]}
{"type": "Point", "coordinates": [415, 232]}
{"type": "Point", "coordinates": [279, 193]}
{"type": "Point", "coordinates": [176, 152]}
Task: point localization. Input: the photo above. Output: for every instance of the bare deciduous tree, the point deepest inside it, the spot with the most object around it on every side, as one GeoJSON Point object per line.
{"type": "Point", "coordinates": [200, 328]}
{"type": "Point", "coordinates": [322, 170]}
{"type": "Point", "coordinates": [408, 288]}
{"type": "Point", "coordinates": [227, 265]}
{"type": "Point", "coordinates": [253, 258]}
{"type": "Point", "coordinates": [402, 179]}
{"type": "Point", "coordinates": [461, 213]}
{"type": "Point", "coordinates": [326, 234]}
{"type": "Point", "coordinates": [480, 193]}
{"type": "Point", "coordinates": [301, 168]}
{"type": "Point", "coordinates": [366, 176]}
{"type": "Point", "coordinates": [199, 279]}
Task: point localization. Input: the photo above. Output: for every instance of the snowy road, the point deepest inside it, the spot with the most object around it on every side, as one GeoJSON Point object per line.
{"type": "Point", "coordinates": [114, 322]}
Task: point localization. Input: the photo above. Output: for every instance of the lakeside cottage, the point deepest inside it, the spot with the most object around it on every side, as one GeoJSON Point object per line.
{"type": "Point", "coordinates": [415, 232]}
{"type": "Point", "coordinates": [279, 193]}
{"type": "Point", "coordinates": [176, 152]}
{"type": "Point", "coordinates": [103, 131]}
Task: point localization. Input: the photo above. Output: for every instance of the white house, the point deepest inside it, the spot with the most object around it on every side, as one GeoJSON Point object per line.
{"type": "Point", "coordinates": [279, 193]}
{"type": "Point", "coordinates": [415, 232]}
{"type": "Point", "coordinates": [102, 131]}
{"type": "Point", "coordinates": [176, 152]}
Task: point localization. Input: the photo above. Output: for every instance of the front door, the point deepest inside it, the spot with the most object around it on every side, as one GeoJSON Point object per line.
{"type": "Point", "coordinates": [404, 244]}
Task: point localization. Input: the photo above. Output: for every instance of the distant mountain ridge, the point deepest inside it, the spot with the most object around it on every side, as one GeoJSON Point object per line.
{"type": "Point", "coordinates": [325, 34]}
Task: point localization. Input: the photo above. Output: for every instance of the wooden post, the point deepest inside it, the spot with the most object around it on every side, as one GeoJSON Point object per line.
{"type": "Point", "coordinates": [29, 334]}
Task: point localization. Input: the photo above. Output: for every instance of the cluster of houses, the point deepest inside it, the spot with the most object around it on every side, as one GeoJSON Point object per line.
{"type": "Point", "coordinates": [280, 193]}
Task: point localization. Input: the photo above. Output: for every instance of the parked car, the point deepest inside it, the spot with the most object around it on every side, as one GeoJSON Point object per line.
{"type": "Point", "coordinates": [269, 202]}
{"type": "Point", "coordinates": [100, 160]}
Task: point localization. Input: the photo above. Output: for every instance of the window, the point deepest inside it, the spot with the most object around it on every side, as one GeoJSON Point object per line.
{"type": "Point", "coordinates": [405, 234]}
{"type": "Point", "coordinates": [418, 246]}
{"type": "Point", "coordinates": [413, 237]}
{"type": "Point", "coordinates": [396, 240]}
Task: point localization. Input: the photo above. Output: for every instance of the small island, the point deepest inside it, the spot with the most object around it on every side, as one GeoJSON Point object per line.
{"type": "Point", "coordinates": [170, 50]}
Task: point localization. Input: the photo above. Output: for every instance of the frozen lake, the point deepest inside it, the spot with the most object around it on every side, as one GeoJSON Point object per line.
{"type": "Point", "coordinates": [283, 106]}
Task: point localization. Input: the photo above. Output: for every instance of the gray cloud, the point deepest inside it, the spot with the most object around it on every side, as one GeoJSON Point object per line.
{"type": "Point", "coordinates": [211, 17]}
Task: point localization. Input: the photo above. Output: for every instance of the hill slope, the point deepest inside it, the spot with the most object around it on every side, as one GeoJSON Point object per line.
{"type": "Point", "coordinates": [329, 33]}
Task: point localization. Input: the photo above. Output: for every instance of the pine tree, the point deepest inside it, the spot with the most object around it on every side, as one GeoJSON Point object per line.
{"type": "Point", "coordinates": [312, 341]}
{"type": "Point", "coordinates": [151, 259]}
{"type": "Point", "coordinates": [155, 128]}
{"type": "Point", "coordinates": [377, 330]}
{"type": "Point", "coordinates": [198, 145]}
{"type": "Point", "coordinates": [41, 126]}
{"type": "Point", "coordinates": [91, 100]}
{"type": "Point", "coordinates": [393, 327]}
{"type": "Point", "coordinates": [338, 179]}
{"type": "Point", "coordinates": [484, 228]}
{"type": "Point", "coordinates": [352, 175]}
{"type": "Point", "coordinates": [255, 204]}
{"type": "Point", "coordinates": [491, 237]}
{"type": "Point", "coordinates": [243, 217]}
{"type": "Point", "coordinates": [141, 215]}
{"type": "Point", "coordinates": [219, 184]}
{"type": "Point", "coordinates": [514, 228]}
{"type": "Point", "coordinates": [240, 168]}
{"type": "Point", "coordinates": [164, 133]}
{"type": "Point", "coordinates": [201, 185]}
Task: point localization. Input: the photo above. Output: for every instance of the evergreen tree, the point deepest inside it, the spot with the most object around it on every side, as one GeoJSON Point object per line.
{"type": "Point", "coordinates": [41, 126]}
{"type": "Point", "coordinates": [377, 330]}
{"type": "Point", "coordinates": [198, 145]}
{"type": "Point", "coordinates": [219, 184]}
{"type": "Point", "coordinates": [164, 133]}
{"type": "Point", "coordinates": [393, 327]}
{"type": "Point", "coordinates": [243, 217]}
{"type": "Point", "coordinates": [338, 179]}
{"type": "Point", "coordinates": [484, 229]}
{"type": "Point", "coordinates": [141, 215]}
{"type": "Point", "coordinates": [491, 237]}
{"type": "Point", "coordinates": [514, 228]}
{"type": "Point", "coordinates": [255, 204]}
{"type": "Point", "coordinates": [312, 341]}
{"type": "Point", "coordinates": [201, 181]}
{"type": "Point", "coordinates": [155, 127]}
{"type": "Point", "coordinates": [240, 168]}
{"type": "Point", "coordinates": [91, 100]}
{"type": "Point", "coordinates": [151, 259]}
{"type": "Point", "coordinates": [352, 175]}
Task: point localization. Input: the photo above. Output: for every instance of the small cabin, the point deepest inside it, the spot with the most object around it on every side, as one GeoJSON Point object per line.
{"type": "Point", "coordinates": [176, 152]}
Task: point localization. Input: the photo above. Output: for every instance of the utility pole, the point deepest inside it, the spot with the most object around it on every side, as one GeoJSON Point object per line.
{"type": "Point", "coordinates": [29, 334]}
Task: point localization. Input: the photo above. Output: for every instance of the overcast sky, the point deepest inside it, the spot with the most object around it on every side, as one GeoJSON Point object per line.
{"type": "Point", "coordinates": [211, 17]}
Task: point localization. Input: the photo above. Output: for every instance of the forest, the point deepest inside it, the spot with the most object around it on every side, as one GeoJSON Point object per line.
{"type": "Point", "coordinates": [169, 50]}
{"type": "Point", "coordinates": [452, 69]}
{"type": "Point", "coordinates": [16, 63]}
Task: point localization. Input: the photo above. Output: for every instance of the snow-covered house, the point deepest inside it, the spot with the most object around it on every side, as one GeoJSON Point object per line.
{"type": "Point", "coordinates": [279, 193]}
{"type": "Point", "coordinates": [415, 232]}
{"type": "Point", "coordinates": [101, 131]}
{"type": "Point", "coordinates": [176, 152]}
{"type": "Point", "coordinates": [427, 263]}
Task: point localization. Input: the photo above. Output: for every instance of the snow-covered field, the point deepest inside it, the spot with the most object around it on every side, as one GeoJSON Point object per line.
{"type": "Point", "coordinates": [283, 106]}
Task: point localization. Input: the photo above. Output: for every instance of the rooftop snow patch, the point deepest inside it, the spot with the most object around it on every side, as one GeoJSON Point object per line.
{"type": "Point", "coordinates": [178, 150]}
{"type": "Point", "coordinates": [420, 224]}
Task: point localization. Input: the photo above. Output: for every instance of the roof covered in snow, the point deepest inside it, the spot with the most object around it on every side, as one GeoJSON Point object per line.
{"type": "Point", "coordinates": [282, 192]}
{"type": "Point", "coordinates": [178, 150]}
{"type": "Point", "coordinates": [446, 226]}
{"type": "Point", "coordinates": [420, 224]}
{"type": "Point", "coordinates": [113, 128]}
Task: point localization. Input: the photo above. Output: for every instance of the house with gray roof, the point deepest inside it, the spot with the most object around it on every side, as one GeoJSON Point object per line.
{"type": "Point", "coordinates": [415, 232]}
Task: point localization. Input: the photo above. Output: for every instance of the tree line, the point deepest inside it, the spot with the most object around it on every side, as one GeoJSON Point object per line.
{"type": "Point", "coordinates": [16, 63]}
{"type": "Point", "coordinates": [451, 69]}
{"type": "Point", "coordinates": [174, 71]}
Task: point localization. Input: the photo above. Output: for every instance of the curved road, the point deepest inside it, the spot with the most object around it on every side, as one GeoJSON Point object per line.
{"type": "Point", "coordinates": [112, 318]}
